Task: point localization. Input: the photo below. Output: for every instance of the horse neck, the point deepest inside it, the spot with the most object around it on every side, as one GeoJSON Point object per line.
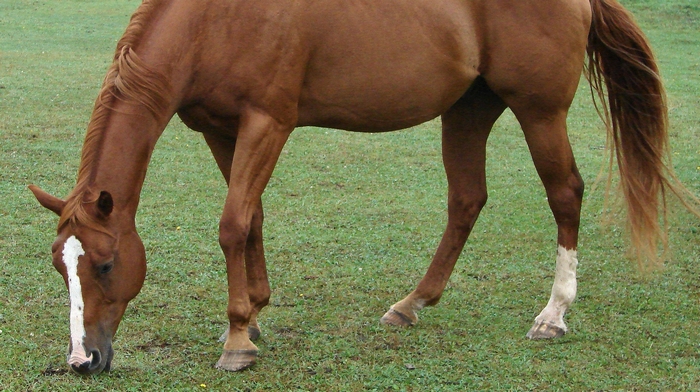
{"type": "Point", "coordinates": [116, 157]}
{"type": "Point", "coordinates": [134, 105]}
{"type": "Point", "coordinates": [141, 92]}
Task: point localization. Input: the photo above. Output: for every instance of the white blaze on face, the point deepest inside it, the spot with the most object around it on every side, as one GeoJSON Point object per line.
{"type": "Point", "coordinates": [72, 250]}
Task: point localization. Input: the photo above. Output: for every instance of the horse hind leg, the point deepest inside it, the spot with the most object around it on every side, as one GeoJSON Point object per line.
{"type": "Point", "coordinates": [555, 164]}
{"type": "Point", "coordinates": [465, 130]}
{"type": "Point", "coordinates": [545, 133]}
{"type": "Point", "coordinates": [256, 272]}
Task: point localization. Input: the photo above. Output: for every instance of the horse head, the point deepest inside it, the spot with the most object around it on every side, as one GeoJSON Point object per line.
{"type": "Point", "coordinates": [103, 266]}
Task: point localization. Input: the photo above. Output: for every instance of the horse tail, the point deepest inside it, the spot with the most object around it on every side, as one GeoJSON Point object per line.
{"type": "Point", "coordinates": [620, 59]}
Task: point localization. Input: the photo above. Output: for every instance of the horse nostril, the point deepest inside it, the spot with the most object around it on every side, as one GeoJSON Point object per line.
{"type": "Point", "coordinates": [96, 359]}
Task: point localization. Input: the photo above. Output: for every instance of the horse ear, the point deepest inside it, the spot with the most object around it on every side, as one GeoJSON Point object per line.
{"type": "Point", "coordinates": [105, 203]}
{"type": "Point", "coordinates": [52, 203]}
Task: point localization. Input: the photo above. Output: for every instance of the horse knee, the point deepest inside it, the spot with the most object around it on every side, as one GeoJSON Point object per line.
{"type": "Point", "coordinates": [233, 234]}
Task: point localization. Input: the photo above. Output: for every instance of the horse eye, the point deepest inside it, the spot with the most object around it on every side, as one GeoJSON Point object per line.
{"type": "Point", "coordinates": [106, 268]}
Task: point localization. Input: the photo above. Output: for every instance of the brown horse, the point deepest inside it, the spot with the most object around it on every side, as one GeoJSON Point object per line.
{"type": "Point", "coordinates": [247, 73]}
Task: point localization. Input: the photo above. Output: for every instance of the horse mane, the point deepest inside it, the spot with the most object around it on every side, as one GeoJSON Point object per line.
{"type": "Point", "coordinates": [129, 79]}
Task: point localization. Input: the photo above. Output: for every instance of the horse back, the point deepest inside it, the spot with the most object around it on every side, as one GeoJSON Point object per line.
{"type": "Point", "coordinates": [361, 65]}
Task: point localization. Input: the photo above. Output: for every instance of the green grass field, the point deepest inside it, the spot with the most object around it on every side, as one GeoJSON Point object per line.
{"type": "Point", "coordinates": [352, 221]}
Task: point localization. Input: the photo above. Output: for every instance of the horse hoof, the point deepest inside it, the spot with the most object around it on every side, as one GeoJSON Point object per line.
{"type": "Point", "coordinates": [544, 330]}
{"type": "Point", "coordinates": [236, 360]}
{"type": "Point", "coordinates": [398, 319]}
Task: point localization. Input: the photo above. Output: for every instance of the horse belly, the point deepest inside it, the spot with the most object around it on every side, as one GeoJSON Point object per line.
{"type": "Point", "coordinates": [384, 102]}
{"type": "Point", "coordinates": [386, 71]}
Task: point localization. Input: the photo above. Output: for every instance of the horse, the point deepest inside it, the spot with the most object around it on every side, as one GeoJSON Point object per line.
{"type": "Point", "coordinates": [245, 74]}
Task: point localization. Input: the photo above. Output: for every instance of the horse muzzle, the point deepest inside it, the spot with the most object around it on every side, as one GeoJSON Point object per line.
{"type": "Point", "coordinates": [94, 363]}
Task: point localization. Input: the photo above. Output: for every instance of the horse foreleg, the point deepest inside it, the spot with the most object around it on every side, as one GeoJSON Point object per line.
{"type": "Point", "coordinates": [260, 141]}
{"type": "Point", "coordinates": [256, 275]}
{"type": "Point", "coordinates": [223, 147]}
{"type": "Point", "coordinates": [256, 272]}
{"type": "Point", "coordinates": [465, 130]}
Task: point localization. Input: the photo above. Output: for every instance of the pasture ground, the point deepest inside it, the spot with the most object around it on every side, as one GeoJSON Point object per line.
{"type": "Point", "coordinates": [351, 223]}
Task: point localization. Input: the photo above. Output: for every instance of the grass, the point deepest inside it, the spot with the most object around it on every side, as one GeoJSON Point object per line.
{"type": "Point", "coordinates": [351, 223]}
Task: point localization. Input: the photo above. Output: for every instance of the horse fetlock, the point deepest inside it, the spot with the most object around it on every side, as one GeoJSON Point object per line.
{"type": "Point", "coordinates": [237, 339]}
{"type": "Point", "coordinates": [254, 332]}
